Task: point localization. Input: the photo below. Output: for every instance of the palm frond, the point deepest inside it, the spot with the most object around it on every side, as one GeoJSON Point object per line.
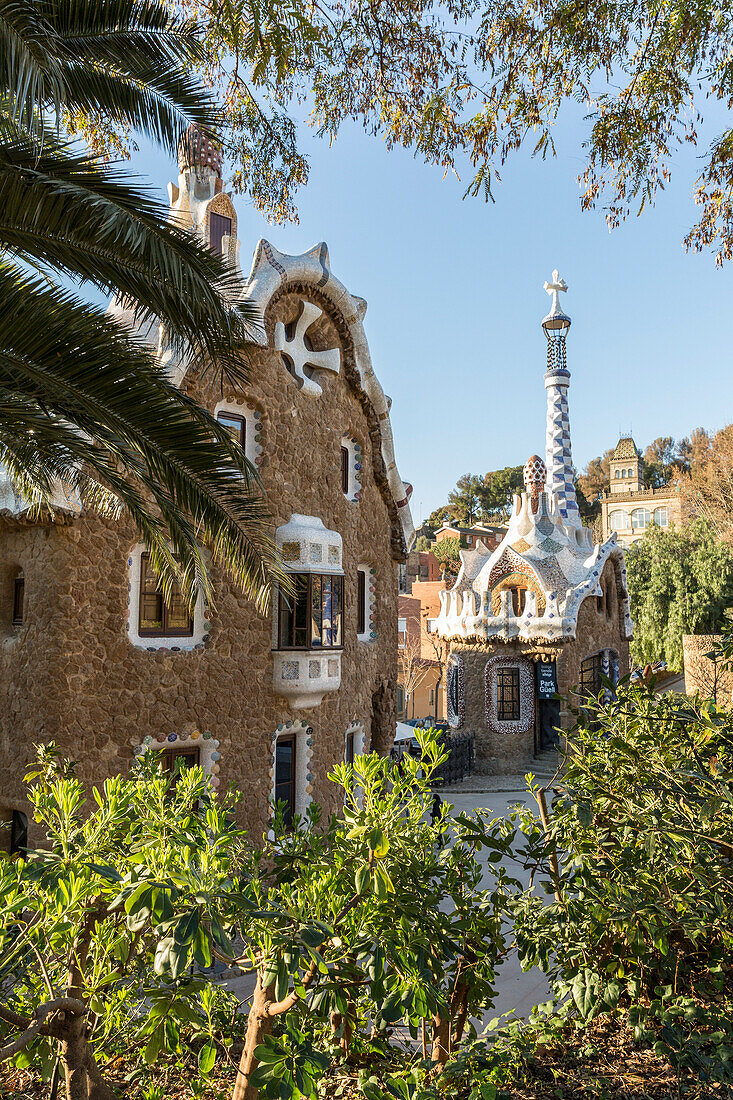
{"type": "Point", "coordinates": [30, 75]}
{"type": "Point", "coordinates": [68, 359]}
{"type": "Point", "coordinates": [61, 208]}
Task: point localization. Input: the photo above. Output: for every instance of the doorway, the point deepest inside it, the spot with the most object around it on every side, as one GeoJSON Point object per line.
{"type": "Point", "coordinates": [548, 706]}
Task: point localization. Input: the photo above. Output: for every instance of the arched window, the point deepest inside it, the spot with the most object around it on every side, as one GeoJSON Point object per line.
{"type": "Point", "coordinates": [454, 692]}
{"type": "Point", "coordinates": [640, 518]}
{"type": "Point", "coordinates": [618, 521]}
{"type": "Point", "coordinates": [519, 598]}
{"type": "Point", "coordinates": [618, 473]}
{"type": "Point", "coordinates": [661, 517]}
{"type": "Point", "coordinates": [623, 473]}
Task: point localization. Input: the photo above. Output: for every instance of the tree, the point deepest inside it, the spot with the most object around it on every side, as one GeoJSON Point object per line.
{"type": "Point", "coordinates": [98, 928]}
{"type": "Point", "coordinates": [412, 669]}
{"type": "Point", "coordinates": [680, 582]}
{"type": "Point", "coordinates": [469, 84]}
{"type": "Point", "coordinates": [660, 462]}
{"type": "Point", "coordinates": [422, 543]}
{"type": "Point", "coordinates": [497, 492]}
{"type": "Point", "coordinates": [707, 490]}
{"type": "Point", "coordinates": [464, 502]}
{"type": "Point", "coordinates": [81, 400]}
{"type": "Point", "coordinates": [596, 477]}
{"type": "Point", "coordinates": [447, 551]}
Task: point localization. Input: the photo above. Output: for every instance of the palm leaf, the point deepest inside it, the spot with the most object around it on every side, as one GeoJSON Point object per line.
{"type": "Point", "coordinates": [68, 359]}
{"type": "Point", "coordinates": [67, 210]}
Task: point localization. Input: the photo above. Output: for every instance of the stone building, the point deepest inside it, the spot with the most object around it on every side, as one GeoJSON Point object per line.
{"type": "Point", "coordinates": [630, 508]}
{"type": "Point", "coordinates": [93, 659]}
{"type": "Point", "coordinates": [543, 613]}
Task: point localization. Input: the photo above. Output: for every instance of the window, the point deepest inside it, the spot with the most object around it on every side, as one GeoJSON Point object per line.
{"type": "Point", "coordinates": [618, 473]}
{"type": "Point", "coordinates": [519, 599]}
{"type": "Point", "coordinates": [156, 618]}
{"type": "Point", "coordinates": [431, 697]}
{"type": "Point", "coordinates": [617, 521]}
{"type": "Point", "coordinates": [469, 540]}
{"type": "Point", "coordinates": [285, 776]}
{"type": "Point", "coordinates": [430, 626]}
{"type": "Point", "coordinates": [623, 473]}
{"type": "Point", "coordinates": [235, 425]}
{"type": "Point", "coordinates": [189, 758]}
{"type": "Point", "coordinates": [507, 694]}
{"type": "Point", "coordinates": [401, 633]}
{"type": "Point", "coordinates": [361, 601]}
{"type": "Point", "coordinates": [345, 463]}
{"type": "Point", "coordinates": [590, 674]}
{"type": "Point", "coordinates": [313, 617]}
{"type": "Point", "coordinates": [631, 473]}
{"type": "Point", "coordinates": [640, 518]}
{"type": "Point", "coordinates": [18, 600]}
{"type": "Point", "coordinates": [18, 833]}
{"type": "Point", "coordinates": [661, 517]}
{"type": "Point", "coordinates": [400, 699]}
{"type": "Point", "coordinates": [219, 227]}
{"type": "Point", "coordinates": [349, 751]}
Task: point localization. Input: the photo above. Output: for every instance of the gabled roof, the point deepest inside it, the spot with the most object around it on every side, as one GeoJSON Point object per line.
{"type": "Point", "coordinates": [625, 448]}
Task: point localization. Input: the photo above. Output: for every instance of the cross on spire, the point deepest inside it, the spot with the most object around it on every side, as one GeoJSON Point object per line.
{"type": "Point", "coordinates": [554, 288]}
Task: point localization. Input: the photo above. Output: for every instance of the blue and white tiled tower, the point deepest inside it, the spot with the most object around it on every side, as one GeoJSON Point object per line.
{"type": "Point", "coordinates": [558, 451]}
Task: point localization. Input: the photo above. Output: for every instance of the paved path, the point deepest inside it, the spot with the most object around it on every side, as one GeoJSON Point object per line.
{"type": "Point", "coordinates": [517, 992]}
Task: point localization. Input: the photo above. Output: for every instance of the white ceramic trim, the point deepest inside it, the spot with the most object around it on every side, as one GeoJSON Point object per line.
{"type": "Point", "coordinates": [252, 417]}
{"type": "Point", "coordinates": [304, 739]}
{"type": "Point", "coordinates": [356, 455]}
{"type": "Point", "coordinates": [369, 635]}
{"type": "Point", "coordinates": [526, 694]}
{"type": "Point", "coordinates": [209, 755]}
{"type": "Point", "coordinates": [271, 270]}
{"type": "Point", "coordinates": [201, 624]}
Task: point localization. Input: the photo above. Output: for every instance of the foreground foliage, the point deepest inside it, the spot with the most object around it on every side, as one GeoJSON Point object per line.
{"type": "Point", "coordinates": [350, 929]}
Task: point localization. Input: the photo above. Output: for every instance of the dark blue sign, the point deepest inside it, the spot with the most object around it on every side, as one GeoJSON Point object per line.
{"type": "Point", "coordinates": [546, 679]}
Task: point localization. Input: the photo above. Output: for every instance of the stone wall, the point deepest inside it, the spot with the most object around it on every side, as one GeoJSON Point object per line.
{"type": "Point", "coordinates": [511, 753]}
{"type": "Point", "coordinates": [70, 674]}
{"type": "Point", "coordinates": [702, 675]}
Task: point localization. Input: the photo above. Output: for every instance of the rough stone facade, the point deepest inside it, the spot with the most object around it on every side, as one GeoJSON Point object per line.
{"type": "Point", "coordinates": [702, 675]}
{"type": "Point", "coordinates": [70, 673]}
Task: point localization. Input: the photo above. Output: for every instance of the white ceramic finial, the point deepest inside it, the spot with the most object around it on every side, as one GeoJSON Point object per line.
{"type": "Point", "coordinates": [554, 289]}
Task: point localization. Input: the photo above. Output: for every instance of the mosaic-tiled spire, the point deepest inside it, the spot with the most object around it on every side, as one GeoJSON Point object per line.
{"type": "Point", "coordinates": [558, 451]}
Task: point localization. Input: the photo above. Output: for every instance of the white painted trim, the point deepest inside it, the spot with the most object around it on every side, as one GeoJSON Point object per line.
{"type": "Point", "coordinates": [201, 624]}
{"type": "Point", "coordinates": [304, 738]}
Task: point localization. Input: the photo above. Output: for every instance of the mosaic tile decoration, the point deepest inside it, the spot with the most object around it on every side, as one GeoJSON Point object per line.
{"type": "Point", "coordinates": [314, 670]}
{"type": "Point", "coordinates": [291, 551]}
{"type": "Point", "coordinates": [334, 555]}
{"type": "Point", "coordinates": [509, 581]}
{"type": "Point", "coordinates": [526, 695]}
{"type": "Point", "coordinates": [521, 547]}
{"type": "Point", "coordinates": [316, 553]}
{"type": "Point", "coordinates": [550, 546]}
{"type": "Point", "coordinates": [289, 670]}
{"type": "Point", "coordinates": [333, 666]}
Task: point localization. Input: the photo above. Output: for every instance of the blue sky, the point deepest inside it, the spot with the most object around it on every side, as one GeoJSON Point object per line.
{"type": "Point", "coordinates": [455, 302]}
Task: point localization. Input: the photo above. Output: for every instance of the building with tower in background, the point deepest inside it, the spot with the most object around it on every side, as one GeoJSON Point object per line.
{"type": "Point", "coordinates": [94, 659]}
{"type": "Point", "coordinates": [629, 508]}
{"type": "Point", "coordinates": [545, 612]}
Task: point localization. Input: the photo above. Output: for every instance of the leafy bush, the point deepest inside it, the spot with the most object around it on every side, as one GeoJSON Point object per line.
{"type": "Point", "coordinates": [352, 928]}
{"type": "Point", "coordinates": [638, 855]}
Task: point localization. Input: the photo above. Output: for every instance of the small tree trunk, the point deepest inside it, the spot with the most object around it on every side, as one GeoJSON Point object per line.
{"type": "Point", "coordinates": [441, 1041]}
{"type": "Point", "coordinates": [83, 1077]}
{"type": "Point", "coordinates": [259, 1024]}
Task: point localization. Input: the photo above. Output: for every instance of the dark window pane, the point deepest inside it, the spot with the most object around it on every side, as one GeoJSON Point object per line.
{"type": "Point", "coordinates": [18, 598]}
{"type": "Point", "coordinates": [285, 775]}
{"type": "Point", "coordinates": [235, 425]}
{"type": "Point", "coordinates": [360, 601]}
{"type": "Point", "coordinates": [219, 226]}
{"type": "Point", "coordinates": [18, 833]}
{"type": "Point", "coordinates": [349, 754]}
{"type": "Point", "coordinates": [590, 674]}
{"type": "Point", "coordinates": [155, 617]}
{"type": "Point", "coordinates": [345, 469]}
{"type": "Point", "coordinates": [507, 695]}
